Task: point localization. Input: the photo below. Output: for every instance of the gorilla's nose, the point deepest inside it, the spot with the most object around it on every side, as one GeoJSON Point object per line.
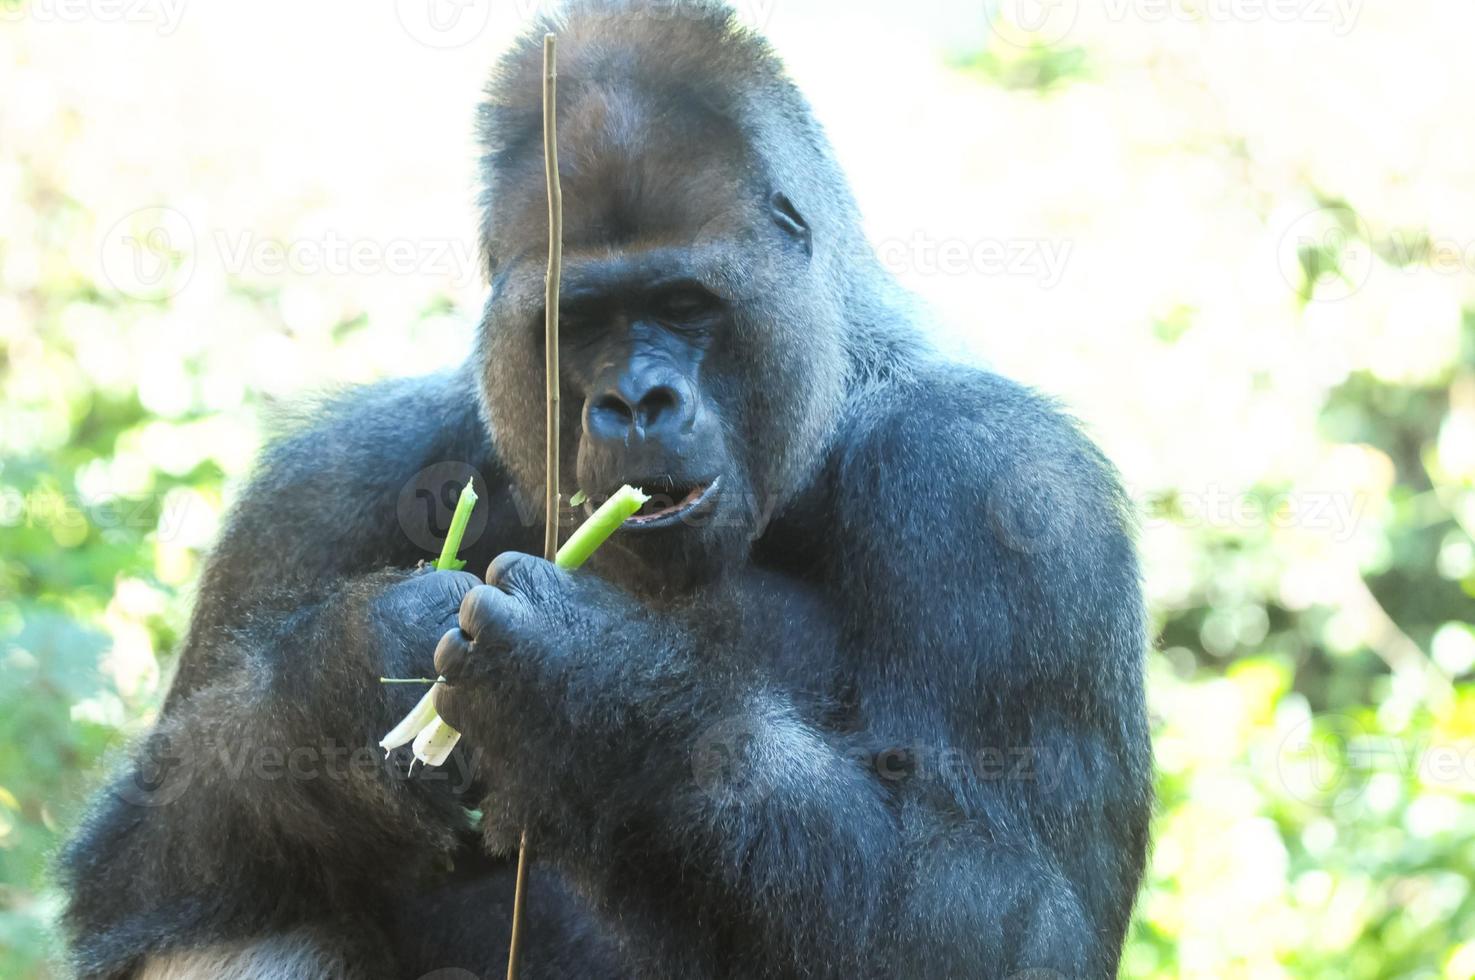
{"type": "Point", "coordinates": [654, 406]}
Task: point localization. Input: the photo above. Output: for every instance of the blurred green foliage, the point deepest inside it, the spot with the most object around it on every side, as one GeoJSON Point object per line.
{"type": "Point", "coordinates": [1300, 433]}
{"type": "Point", "coordinates": [1034, 67]}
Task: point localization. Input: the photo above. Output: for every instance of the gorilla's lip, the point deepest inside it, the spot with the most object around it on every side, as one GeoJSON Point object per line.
{"type": "Point", "coordinates": [672, 502]}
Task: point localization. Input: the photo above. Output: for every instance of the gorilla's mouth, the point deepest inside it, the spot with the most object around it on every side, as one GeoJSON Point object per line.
{"type": "Point", "coordinates": [672, 502]}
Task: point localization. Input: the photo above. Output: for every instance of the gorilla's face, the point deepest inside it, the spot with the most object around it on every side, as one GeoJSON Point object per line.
{"type": "Point", "coordinates": [646, 350]}
{"type": "Point", "coordinates": [663, 386]}
{"type": "Point", "coordinates": [635, 341]}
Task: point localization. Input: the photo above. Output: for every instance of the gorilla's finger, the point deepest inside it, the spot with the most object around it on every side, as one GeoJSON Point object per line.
{"type": "Point", "coordinates": [446, 704]}
{"type": "Point", "coordinates": [426, 597]}
{"type": "Point", "coordinates": [515, 572]}
{"type": "Point", "coordinates": [453, 585]}
{"type": "Point", "coordinates": [452, 654]}
{"type": "Point", "coordinates": [486, 612]}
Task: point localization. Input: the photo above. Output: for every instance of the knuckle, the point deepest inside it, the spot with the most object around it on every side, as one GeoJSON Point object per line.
{"type": "Point", "coordinates": [442, 592]}
{"type": "Point", "coordinates": [450, 652]}
{"type": "Point", "coordinates": [457, 584]}
{"type": "Point", "coordinates": [509, 570]}
{"type": "Point", "coordinates": [483, 608]}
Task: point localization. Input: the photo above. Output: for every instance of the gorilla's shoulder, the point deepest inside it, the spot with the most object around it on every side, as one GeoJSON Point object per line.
{"type": "Point", "coordinates": [961, 419]}
{"type": "Point", "coordinates": [326, 493]}
{"type": "Point", "coordinates": [952, 445]}
{"type": "Point", "coordinates": [340, 490]}
{"type": "Point", "coordinates": [364, 431]}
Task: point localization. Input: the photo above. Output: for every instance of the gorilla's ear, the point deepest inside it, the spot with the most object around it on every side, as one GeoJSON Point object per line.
{"type": "Point", "coordinates": [788, 218]}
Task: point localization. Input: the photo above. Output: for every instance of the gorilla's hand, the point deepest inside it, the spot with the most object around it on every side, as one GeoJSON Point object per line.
{"type": "Point", "coordinates": [411, 614]}
{"type": "Point", "coordinates": [528, 626]}
{"type": "Point", "coordinates": [559, 680]}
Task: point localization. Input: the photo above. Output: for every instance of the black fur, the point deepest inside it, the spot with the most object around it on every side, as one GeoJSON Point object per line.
{"type": "Point", "coordinates": [878, 713]}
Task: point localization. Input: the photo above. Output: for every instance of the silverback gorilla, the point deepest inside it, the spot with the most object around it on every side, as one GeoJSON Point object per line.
{"type": "Point", "coordinates": [859, 694]}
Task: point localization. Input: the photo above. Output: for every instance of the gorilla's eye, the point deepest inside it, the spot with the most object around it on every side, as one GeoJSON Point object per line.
{"type": "Point", "coordinates": [788, 218]}
{"type": "Point", "coordinates": [685, 305]}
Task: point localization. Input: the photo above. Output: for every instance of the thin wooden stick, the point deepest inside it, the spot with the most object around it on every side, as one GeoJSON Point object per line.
{"type": "Point", "coordinates": [550, 324]}
{"type": "Point", "coordinates": [555, 275]}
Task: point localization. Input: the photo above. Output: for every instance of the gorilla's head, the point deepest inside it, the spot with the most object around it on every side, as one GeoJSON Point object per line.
{"type": "Point", "coordinates": [708, 290]}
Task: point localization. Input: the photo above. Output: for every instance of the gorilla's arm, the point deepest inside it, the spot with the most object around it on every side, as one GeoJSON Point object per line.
{"type": "Point", "coordinates": [706, 780]}
{"type": "Point", "coordinates": [1004, 621]}
{"type": "Point", "coordinates": [254, 807]}
{"type": "Point", "coordinates": [260, 802]}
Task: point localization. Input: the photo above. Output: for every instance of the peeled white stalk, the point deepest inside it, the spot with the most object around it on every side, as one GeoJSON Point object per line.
{"type": "Point", "coordinates": [420, 718]}
{"type": "Point", "coordinates": [436, 740]}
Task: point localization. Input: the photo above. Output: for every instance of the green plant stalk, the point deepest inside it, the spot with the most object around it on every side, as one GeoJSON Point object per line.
{"type": "Point", "coordinates": [594, 532]}
{"type": "Point", "coordinates": [433, 739]}
{"type": "Point", "coordinates": [448, 562]}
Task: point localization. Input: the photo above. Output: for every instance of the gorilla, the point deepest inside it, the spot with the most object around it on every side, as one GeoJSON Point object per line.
{"type": "Point", "coordinates": [859, 693]}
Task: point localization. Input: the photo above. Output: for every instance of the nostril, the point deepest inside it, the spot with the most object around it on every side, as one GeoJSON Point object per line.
{"type": "Point", "coordinates": [609, 417]}
{"type": "Point", "coordinates": [658, 405]}
{"type": "Point", "coordinates": [614, 406]}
